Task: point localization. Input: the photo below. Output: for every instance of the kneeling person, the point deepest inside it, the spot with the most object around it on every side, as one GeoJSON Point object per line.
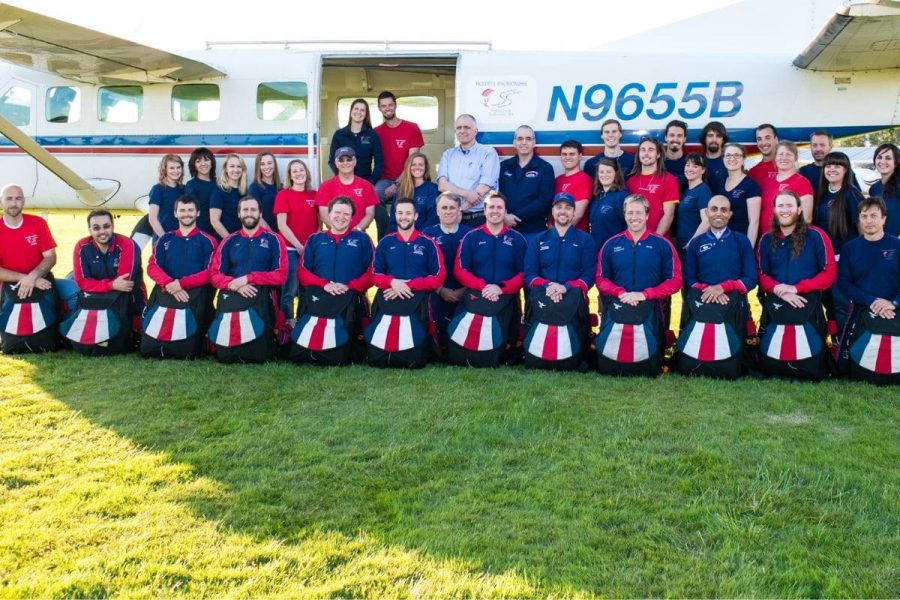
{"type": "Point", "coordinates": [408, 265]}
{"type": "Point", "coordinates": [637, 269]}
{"type": "Point", "coordinates": [719, 271]}
{"type": "Point", "coordinates": [490, 264]}
{"type": "Point", "coordinates": [28, 316]}
{"type": "Point", "coordinates": [335, 271]}
{"type": "Point", "coordinates": [111, 299]}
{"type": "Point", "coordinates": [248, 269]}
{"type": "Point", "coordinates": [559, 269]}
{"type": "Point", "coordinates": [869, 275]}
{"type": "Point", "coordinates": [179, 310]}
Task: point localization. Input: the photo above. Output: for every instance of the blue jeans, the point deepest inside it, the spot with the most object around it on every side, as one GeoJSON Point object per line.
{"type": "Point", "coordinates": [291, 288]}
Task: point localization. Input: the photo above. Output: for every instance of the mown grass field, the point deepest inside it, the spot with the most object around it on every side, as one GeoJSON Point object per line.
{"type": "Point", "coordinates": [127, 477]}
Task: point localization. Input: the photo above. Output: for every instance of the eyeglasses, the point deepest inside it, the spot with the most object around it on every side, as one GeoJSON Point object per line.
{"type": "Point", "coordinates": [345, 159]}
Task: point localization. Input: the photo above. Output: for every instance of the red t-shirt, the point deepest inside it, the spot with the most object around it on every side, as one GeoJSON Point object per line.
{"type": "Point", "coordinates": [770, 188]}
{"type": "Point", "coordinates": [762, 171]}
{"type": "Point", "coordinates": [580, 186]}
{"type": "Point", "coordinates": [302, 212]}
{"type": "Point", "coordinates": [395, 145]}
{"type": "Point", "coordinates": [360, 191]}
{"type": "Point", "coordinates": [658, 191]}
{"type": "Point", "coordinates": [22, 248]}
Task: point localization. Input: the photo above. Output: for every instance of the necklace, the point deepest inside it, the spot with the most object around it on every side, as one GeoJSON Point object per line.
{"type": "Point", "coordinates": [833, 190]}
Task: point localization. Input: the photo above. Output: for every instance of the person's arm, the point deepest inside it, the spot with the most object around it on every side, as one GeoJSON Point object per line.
{"type": "Point", "coordinates": [665, 223]}
{"type": "Point", "coordinates": [332, 150]}
{"type": "Point", "coordinates": [464, 260]}
{"type": "Point", "coordinates": [436, 270]}
{"type": "Point", "coordinates": [277, 274]}
{"type": "Point", "coordinates": [154, 271]}
{"type": "Point", "coordinates": [153, 218]}
{"type": "Point", "coordinates": [367, 219]}
{"type": "Point", "coordinates": [671, 271]}
{"type": "Point", "coordinates": [378, 157]}
{"type": "Point", "coordinates": [286, 232]}
{"type": "Point", "coordinates": [828, 267]}
{"type": "Point", "coordinates": [219, 279]}
{"type": "Point", "coordinates": [806, 204]}
{"type": "Point", "coordinates": [533, 265]}
{"type": "Point", "coordinates": [380, 277]}
{"type": "Point", "coordinates": [602, 280]}
{"type": "Point", "coordinates": [846, 283]}
{"type": "Point", "coordinates": [767, 283]}
{"type": "Point", "coordinates": [588, 265]}
{"type": "Point", "coordinates": [753, 206]}
{"type": "Point", "coordinates": [201, 277]}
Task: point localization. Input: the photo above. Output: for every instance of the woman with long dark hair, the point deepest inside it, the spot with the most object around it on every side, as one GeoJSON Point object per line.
{"type": "Point", "coordinates": [887, 163]}
{"type": "Point", "coordinates": [359, 135]}
{"type": "Point", "coordinates": [607, 216]}
{"type": "Point", "coordinates": [692, 219]}
{"type": "Point", "coordinates": [202, 166]}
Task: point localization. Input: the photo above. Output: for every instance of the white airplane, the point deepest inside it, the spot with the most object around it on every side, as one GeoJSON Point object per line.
{"type": "Point", "coordinates": [87, 116]}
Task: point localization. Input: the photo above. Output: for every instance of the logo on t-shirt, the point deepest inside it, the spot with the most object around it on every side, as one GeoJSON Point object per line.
{"type": "Point", "coordinates": [531, 174]}
{"type": "Point", "coordinates": [264, 243]}
{"type": "Point", "coordinates": [353, 243]}
{"type": "Point", "coordinates": [32, 239]}
{"type": "Point", "coordinates": [889, 254]}
{"type": "Point", "coordinates": [358, 192]}
{"type": "Point", "coordinates": [565, 187]}
{"type": "Point", "coordinates": [420, 250]}
{"type": "Point", "coordinates": [400, 143]}
{"type": "Point", "coordinates": [652, 187]}
{"type": "Point", "coordinates": [705, 247]}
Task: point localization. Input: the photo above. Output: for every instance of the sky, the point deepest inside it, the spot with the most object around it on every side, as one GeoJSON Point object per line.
{"type": "Point", "coordinates": [174, 25]}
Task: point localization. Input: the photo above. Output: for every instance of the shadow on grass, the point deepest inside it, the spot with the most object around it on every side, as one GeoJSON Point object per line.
{"type": "Point", "coordinates": [579, 483]}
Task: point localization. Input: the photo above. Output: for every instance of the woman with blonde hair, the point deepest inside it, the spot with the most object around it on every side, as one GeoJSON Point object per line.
{"type": "Point", "coordinates": [415, 182]}
{"type": "Point", "coordinates": [223, 204]}
{"type": "Point", "coordinates": [298, 218]}
{"type": "Point", "coordinates": [265, 186]}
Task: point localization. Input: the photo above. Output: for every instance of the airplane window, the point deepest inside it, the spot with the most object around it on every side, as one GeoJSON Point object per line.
{"type": "Point", "coordinates": [63, 104]}
{"type": "Point", "coordinates": [281, 101]}
{"type": "Point", "coordinates": [15, 105]}
{"type": "Point", "coordinates": [120, 104]}
{"type": "Point", "coordinates": [421, 110]}
{"type": "Point", "coordinates": [195, 102]}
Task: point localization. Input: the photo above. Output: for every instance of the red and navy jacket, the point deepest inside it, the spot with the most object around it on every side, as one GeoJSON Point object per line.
{"type": "Point", "coordinates": [417, 259]}
{"type": "Point", "coordinates": [449, 245]}
{"type": "Point", "coordinates": [345, 258]}
{"type": "Point", "coordinates": [649, 265]}
{"type": "Point", "coordinates": [95, 270]}
{"type": "Point", "coordinates": [728, 261]}
{"type": "Point", "coordinates": [570, 259]}
{"type": "Point", "coordinates": [528, 191]}
{"type": "Point", "coordinates": [484, 258]}
{"type": "Point", "coordinates": [815, 268]}
{"type": "Point", "coordinates": [182, 257]}
{"type": "Point", "coordinates": [262, 257]}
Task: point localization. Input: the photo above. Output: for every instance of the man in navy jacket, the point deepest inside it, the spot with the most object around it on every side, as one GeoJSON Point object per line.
{"type": "Point", "coordinates": [527, 182]}
{"type": "Point", "coordinates": [407, 261]}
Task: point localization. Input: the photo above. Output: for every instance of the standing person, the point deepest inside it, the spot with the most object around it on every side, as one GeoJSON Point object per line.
{"type": "Point", "coordinates": [650, 180]}
{"type": "Point", "coordinates": [574, 181]}
{"type": "Point", "coordinates": [821, 143]}
{"type": "Point", "coordinates": [27, 254]}
{"type": "Point", "coordinates": [611, 134]}
{"type": "Point", "coordinates": [223, 204]}
{"type": "Point", "coordinates": [298, 218]}
{"type": "Point", "coordinates": [447, 234]}
{"type": "Point", "coordinates": [742, 192]}
{"type": "Point", "coordinates": [415, 183]}
{"type": "Point", "coordinates": [264, 187]}
{"type": "Point", "coordinates": [107, 262]}
{"type": "Point", "coordinates": [767, 142]}
{"type": "Point", "coordinates": [348, 185]}
{"type": "Point", "coordinates": [607, 216]}
{"type": "Point", "coordinates": [787, 178]}
{"type": "Point", "coordinates": [527, 182]}
{"type": "Point", "coordinates": [202, 166]}
{"type": "Point", "coordinates": [835, 213]}
{"type": "Point", "coordinates": [359, 135]}
{"type": "Point", "coordinates": [676, 134]}
{"type": "Point", "coordinates": [469, 170]}
{"type": "Point", "coordinates": [399, 140]}
{"type": "Point", "coordinates": [713, 138]}
{"type": "Point", "coordinates": [887, 163]}
{"type": "Point", "coordinates": [164, 194]}
{"type": "Point", "coordinates": [692, 220]}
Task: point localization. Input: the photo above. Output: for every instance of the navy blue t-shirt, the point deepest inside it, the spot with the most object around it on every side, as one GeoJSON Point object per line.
{"type": "Point", "coordinates": [693, 201]}
{"type": "Point", "coordinates": [820, 219]}
{"type": "Point", "coordinates": [202, 191]}
{"type": "Point", "coordinates": [607, 216]}
{"type": "Point", "coordinates": [738, 195]}
{"type": "Point", "coordinates": [892, 202]}
{"type": "Point", "coordinates": [265, 193]}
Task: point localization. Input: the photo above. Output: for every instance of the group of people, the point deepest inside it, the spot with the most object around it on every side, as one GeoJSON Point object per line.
{"type": "Point", "coordinates": [640, 227]}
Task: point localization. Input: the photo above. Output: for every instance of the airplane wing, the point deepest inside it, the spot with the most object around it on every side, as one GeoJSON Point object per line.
{"type": "Point", "coordinates": [38, 42]}
{"type": "Point", "coordinates": [862, 35]}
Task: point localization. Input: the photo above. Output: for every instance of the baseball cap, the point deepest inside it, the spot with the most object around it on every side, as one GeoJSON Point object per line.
{"type": "Point", "coordinates": [564, 197]}
{"type": "Point", "coordinates": [345, 151]}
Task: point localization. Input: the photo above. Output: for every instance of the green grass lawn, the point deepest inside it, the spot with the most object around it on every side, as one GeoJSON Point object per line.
{"type": "Point", "coordinates": [139, 478]}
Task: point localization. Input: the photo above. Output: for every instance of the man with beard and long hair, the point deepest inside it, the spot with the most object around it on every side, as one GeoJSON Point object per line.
{"type": "Point", "coordinates": [650, 179]}
{"type": "Point", "coordinates": [675, 136]}
{"type": "Point", "coordinates": [794, 258]}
